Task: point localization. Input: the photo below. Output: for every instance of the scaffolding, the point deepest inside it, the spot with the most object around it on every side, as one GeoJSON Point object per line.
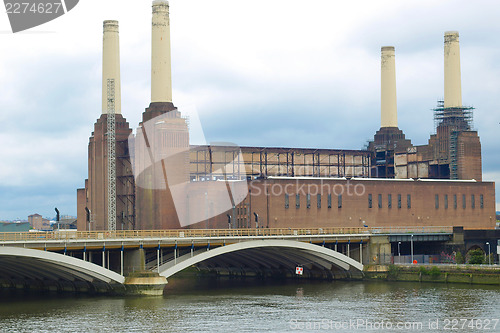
{"type": "Point", "coordinates": [459, 118]}
{"type": "Point", "coordinates": [454, 155]}
{"type": "Point", "coordinates": [239, 163]}
{"type": "Point", "coordinates": [111, 140]}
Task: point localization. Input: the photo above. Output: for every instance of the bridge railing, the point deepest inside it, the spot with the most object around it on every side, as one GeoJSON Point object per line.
{"type": "Point", "coordinates": [216, 233]}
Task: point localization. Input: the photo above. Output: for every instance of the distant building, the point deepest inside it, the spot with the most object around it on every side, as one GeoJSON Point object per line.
{"type": "Point", "coordinates": [37, 222]}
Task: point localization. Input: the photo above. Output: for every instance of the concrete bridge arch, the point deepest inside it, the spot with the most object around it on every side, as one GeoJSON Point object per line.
{"type": "Point", "coordinates": [46, 270]}
{"type": "Point", "coordinates": [269, 255]}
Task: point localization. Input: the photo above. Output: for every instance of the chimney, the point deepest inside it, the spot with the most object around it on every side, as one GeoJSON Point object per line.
{"type": "Point", "coordinates": [452, 80]}
{"type": "Point", "coordinates": [111, 64]}
{"type": "Point", "coordinates": [161, 76]}
{"type": "Point", "coordinates": [389, 111]}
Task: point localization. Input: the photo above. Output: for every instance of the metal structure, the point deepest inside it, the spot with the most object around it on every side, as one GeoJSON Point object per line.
{"type": "Point", "coordinates": [111, 140]}
{"type": "Point", "coordinates": [459, 118]}
{"type": "Point", "coordinates": [238, 163]}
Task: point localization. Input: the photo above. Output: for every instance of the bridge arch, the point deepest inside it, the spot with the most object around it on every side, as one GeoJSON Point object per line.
{"type": "Point", "coordinates": [49, 270]}
{"type": "Point", "coordinates": [272, 254]}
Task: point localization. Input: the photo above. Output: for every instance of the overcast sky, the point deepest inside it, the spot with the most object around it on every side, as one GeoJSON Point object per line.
{"type": "Point", "coordinates": [260, 73]}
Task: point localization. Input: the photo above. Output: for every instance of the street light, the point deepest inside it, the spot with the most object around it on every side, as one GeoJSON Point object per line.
{"type": "Point", "coordinates": [489, 253]}
{"type": "Point", "coordinates": [412, 249]}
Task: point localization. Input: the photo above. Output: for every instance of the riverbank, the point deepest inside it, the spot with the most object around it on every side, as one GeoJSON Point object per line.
{"type": "Point", "coordinates": [470, 274]}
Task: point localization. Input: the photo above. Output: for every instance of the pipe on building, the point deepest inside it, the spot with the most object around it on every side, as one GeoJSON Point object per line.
{"type": "Point", "coordinates": [111, 64]}
{"type": "Point", "coordinates": [452, 76]}
{"type": "Point", "coordinates": [389, 111]}
{"type": "Point", "coordinates": [161, 76]}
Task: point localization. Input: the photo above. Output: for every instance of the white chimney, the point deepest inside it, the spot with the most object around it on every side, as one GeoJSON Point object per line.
{"type": "Point", "coordinates": [111, 64]}
{"type": "Point", "coordinates": [161, 76]}
{"type": "Point", "coordinates": [452, 77]}
{"type": "Point", "coordinates": [389, 111]}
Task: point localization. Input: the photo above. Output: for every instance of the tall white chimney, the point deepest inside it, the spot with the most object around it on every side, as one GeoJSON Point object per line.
{"type": "Point", "coordinates": [161, 76]}
{"type": "Point", "coordinates": [452, 77]}
{"type": "Point", "coordinates": [389, 111]}
{"type": "Point", "coordinates": [111, 64]}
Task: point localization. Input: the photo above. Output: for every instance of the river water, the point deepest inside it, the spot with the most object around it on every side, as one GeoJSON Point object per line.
{"type": "Point", "coordinates": [251, 306]}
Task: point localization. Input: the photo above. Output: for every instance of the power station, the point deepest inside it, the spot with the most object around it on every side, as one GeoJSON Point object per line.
{"type": "Point", "coordinates": [157, 180]}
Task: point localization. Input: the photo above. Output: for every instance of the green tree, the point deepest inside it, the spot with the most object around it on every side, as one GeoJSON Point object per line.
{"type": "Point", "coordinates": [476, 257]}
{"type": "Point", "coordinates": [459, 258]}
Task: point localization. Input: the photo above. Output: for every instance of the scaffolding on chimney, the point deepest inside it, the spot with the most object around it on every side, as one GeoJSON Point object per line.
{"type": "Point", "coordinates": [459, 118]}
{"type": "Point", "coordinates": [111, 140]}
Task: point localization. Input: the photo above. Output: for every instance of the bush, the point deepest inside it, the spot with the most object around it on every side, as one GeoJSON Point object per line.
{"type": "Point", "coordinates": [423, 270]}
{"type": "Point", "coordinates": [393, 271]}
{"type": "Point", "coordinates": [476, 257]}
{"type": "Point", "coordinates": [434, 272]}
{"type": "Point", "coordinates": [459, 258]}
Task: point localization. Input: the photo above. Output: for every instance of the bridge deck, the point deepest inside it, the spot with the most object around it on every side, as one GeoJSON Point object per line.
{"type": "Point", "coordinates": [72, 239]}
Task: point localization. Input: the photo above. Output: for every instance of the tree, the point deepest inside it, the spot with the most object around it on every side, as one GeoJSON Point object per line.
{"type": "Point", "coordinates": [476, 257]}
{"type": "Point", "coordinates": [459, 258]}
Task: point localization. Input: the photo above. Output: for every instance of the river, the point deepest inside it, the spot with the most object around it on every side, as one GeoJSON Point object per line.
{"type": "Point", "coordinates": [252, 306]}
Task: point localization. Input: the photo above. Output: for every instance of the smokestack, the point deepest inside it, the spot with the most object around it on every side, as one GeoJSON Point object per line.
{"type": "Point", "coordinates": [452, 80]}
{"type": "Point", "coordinates": [389, 111]}
{"type": "Point", "coordinates": [161, 76]}
{"type": "Point", "coordinates": [111, 64]}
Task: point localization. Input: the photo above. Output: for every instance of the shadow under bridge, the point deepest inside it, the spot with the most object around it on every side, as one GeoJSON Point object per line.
{"type": "Point", "coordinates": [271, 257]}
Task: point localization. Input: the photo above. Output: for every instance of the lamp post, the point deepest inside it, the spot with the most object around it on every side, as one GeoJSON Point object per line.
{"type": "Point", "coordinates": [399, 252]}
{"type": "Point", "coordinates": [489, 253]}
{"type": "Point", "coordinates": [411, 241]}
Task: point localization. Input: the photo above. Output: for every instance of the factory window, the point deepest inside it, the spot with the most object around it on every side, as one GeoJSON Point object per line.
{"type": "Point", "coordinates": [464, 201]}
{"type": "Point", "coordinates": [399, 200]}
{"type": "Point", "coordinates": [308, 200]}
{"type": "Point", "coordinates": [408, 200]}
{"type": "Point", "coordinates": [481, 201]}
{"type": "Point", "coordinates": [436, 199]}
{"type": "Point", "coordinates": [297, 201]}
{"type": "Point", "coordinates": [455, 201]}
{"type": "Point", "coordinates": [287, 201]}
{"type": "Point", "coordinates": [340, 201]}
{"type": "Point", "coordinates": [329, 200]}
{"type": "Point", "coordinates": [472, 201]}
{"type": "Point", "coordinates": [369, 201]}
{"type": "Point", "coordinates": [389, 200]}
{"type": "Point", "coordinates": [319, 200]}
{"type": "Point", "coordinates": [380, 201]}
{"type": "Point", "coordinates": [446, 201]}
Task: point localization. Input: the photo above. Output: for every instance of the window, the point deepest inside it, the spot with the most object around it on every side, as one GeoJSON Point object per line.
{"type": "Point", "coordinates": [473, 201]}
{"type": "Point", "coordinates": [287, 201]}
{"type": "Point", "coordinates": [308, 200]}
{"type": "Point", "coordinates": [389, 200]}
{"type": "Point", "coordinates": [399, 200]}
{"type": "Point", "coordinates": [464, 201]}
{"type": "Point", "coordinates": [319, 200]}
{"type": "Point", "coordinates": [408, 200]}
{"type": "Point", "coordinates": [340, 201]}
{"type": "Point", "coordinates": [369, 201]}
{"type": "Point", "coordinates": [380, 201]}
{"type": "Point", "coordinates": [329, 200]}
{"type": "Point", "coordinates": [297, 201]}
{"type": "Point", "coordinates": [446, 201]}
{"type": "Point", "coordinates": [481, 201]}
{"type": "Point", "coordinates": [455, 201]}
{"type": "Point", "coordinates": [436, 199]}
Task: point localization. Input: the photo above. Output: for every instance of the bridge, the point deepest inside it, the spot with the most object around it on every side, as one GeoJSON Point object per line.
{"type": "Point", "coordinates": [113, 261]}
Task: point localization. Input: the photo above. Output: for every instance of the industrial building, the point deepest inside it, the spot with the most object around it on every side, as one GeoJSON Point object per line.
{"type": "Point", "coordinates": [156, 180]}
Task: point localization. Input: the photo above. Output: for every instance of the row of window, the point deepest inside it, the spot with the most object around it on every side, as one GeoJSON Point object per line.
{"type": "Point", "coordinates": [308, 201]}
{"type": "Point", "coordinates": [464, 201]}
{"type": "Point", "coordinates": [389, 201]}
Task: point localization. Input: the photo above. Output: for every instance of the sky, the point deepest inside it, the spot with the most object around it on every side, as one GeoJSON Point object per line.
{"type": "Point", "coordinates": [260, 73]}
